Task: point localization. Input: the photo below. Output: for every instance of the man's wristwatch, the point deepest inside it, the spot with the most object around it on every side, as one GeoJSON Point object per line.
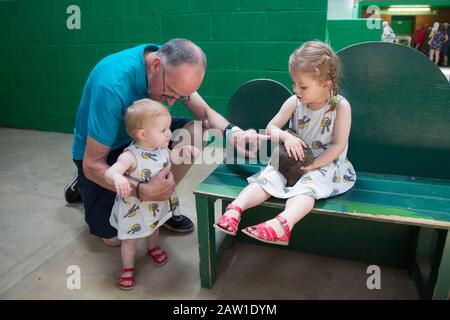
{"type": "Point", "coordinates": [229, 130]}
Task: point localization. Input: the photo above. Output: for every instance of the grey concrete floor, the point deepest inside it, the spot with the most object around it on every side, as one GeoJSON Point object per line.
{"type": "Point", "coordinates": [41, 236]}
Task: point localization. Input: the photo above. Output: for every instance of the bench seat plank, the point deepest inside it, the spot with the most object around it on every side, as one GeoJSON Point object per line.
{"type": "Point", "coordinates": [398, 199]}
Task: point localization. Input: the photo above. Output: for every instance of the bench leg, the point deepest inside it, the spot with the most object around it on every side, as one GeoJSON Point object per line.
{"type": "Point", "coordinates": [442, 288]}
{"type": "Point", "coordinates": [206, 240]}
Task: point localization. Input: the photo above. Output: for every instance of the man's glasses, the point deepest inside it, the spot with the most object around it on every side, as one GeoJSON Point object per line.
{"type": "Point", "coordinates": [166, 96]}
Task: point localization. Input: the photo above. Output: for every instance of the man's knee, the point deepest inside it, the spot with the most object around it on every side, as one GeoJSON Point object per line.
{"type": "Point", "coordinates": [112, 242]}
{"type": "Point", "coordinates": [98, 203]}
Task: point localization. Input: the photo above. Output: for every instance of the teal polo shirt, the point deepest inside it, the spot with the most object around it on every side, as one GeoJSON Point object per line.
{"type": "Point", "coordinates": [113, 85]}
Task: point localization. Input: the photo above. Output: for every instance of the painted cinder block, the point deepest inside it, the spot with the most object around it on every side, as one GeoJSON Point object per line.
{"type": "Point", "coordinates": [194, 26]}
{"type": "Point", "coordinates": [243, 40]}
{"type": "Point", "coordinates": [239, 26]}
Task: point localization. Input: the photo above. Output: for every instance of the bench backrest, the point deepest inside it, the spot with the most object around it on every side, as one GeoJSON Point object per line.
{"type": "Point", "coordinates": [256, 102]}
{"type": "Point", "coordinates": [400, 110]}
{"type": "Point", "coordinates": [253, 105]}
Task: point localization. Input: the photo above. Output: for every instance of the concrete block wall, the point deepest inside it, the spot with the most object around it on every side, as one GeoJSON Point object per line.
{"type": "Point", "coordinates": [43, 64]}
{"type": "Point", "coordinates": [343, 33]}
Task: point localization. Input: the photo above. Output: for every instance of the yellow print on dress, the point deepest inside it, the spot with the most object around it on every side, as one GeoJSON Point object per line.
{"type": "Point", "coordinates": [132, 212]}
{"type": "Point", "coordinates": [145, 175]}
{"type": "Point", "coordinates": [134, 228]}
{"type": "Point", "coordinates": [174, 203]}
{"type": "Point", "coordinates": [154, 208]}
{"type": "Point", "coordinates": [148, 155]}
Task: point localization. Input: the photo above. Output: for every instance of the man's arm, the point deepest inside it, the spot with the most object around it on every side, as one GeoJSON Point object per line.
{"type": "Point", "coordinates": [94, 163]}
{"type": "Point", "coordinates": [212, 119]}
{"type": "Point", "coordinates": [209, 117]}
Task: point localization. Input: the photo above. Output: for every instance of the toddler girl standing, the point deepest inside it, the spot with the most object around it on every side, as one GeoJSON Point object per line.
{"type": "Point", "coordinates": [148, 123]}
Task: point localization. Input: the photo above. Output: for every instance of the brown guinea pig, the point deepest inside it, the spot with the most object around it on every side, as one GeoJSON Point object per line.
{"type": "Point", "coordinates": [289, 167]}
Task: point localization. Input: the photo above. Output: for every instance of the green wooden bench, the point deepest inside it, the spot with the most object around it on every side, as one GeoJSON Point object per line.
{"type": "Point", "coordinates": [398, 213]}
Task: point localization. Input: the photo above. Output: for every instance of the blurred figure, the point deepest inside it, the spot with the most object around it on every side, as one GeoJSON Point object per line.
{"type": "Point", "coordinates": [437, 39]}
{"type": "Point", "coordinates": [419, 37]}
{"type": "Point", "coordinates": [388, 33]}
{"type": "Point", "coordinates": [446, 44]}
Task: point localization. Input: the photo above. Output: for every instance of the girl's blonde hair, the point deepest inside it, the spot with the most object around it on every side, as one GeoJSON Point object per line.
{"type": "Point", "coordinates": [140, 112]}
{"type": "Point", "coordinates": [317, 58]}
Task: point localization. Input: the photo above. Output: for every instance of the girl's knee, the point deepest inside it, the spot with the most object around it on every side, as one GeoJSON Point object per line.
{"type": "Point", "coordinates": [302, 200]}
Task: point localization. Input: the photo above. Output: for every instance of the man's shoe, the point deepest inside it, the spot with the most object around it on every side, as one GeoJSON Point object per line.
{"type": "Point", "coordinates": [72, 192]}
{"type": "Point", "coordinates": [179, 223]}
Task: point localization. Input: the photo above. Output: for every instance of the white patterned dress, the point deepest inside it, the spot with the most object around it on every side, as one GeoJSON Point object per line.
{"type": "Point", "coordinates": [315, 128]}
{"type": "Point", "coordinates": [138, 219]}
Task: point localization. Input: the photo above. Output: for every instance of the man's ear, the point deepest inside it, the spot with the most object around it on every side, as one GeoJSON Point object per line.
{"type": "Point", "coordinates": [155, 64]}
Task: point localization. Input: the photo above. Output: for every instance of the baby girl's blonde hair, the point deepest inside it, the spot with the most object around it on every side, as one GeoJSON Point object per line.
{"type": "Point", "coordinates": [140, 111]}
{"type": "Point", "coordinates": [318, 59]}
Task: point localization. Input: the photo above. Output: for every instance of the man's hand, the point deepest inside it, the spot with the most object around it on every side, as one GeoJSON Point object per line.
{"type": "Point", "coordinates": [159, 188]}
{"type": "Point", "coordinates": [239, 139]}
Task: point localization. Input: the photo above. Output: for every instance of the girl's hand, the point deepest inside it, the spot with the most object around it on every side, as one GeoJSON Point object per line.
{"type": "Point", "coordinates": [308, 168]}
{"type": "Point", "coordinates": [122, 186]}
{"type": "Point", "coordinates": [190, 152]}
{"type": "Point", "coordinates": [294, 147]}
{"type": "Point", "coordinates": [185, 154]}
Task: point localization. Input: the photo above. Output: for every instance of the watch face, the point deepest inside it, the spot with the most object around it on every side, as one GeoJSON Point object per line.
{"type": "Point", "coordinates": [228, 127]}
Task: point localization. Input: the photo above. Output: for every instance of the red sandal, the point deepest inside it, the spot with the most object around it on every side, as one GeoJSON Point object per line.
{"type": "Point", "coordinates": [267, 234]}
{"type": "Point", "coordinates": [123, 279]}
{"type": "Point", "coordinates": [231, 221]}
{"type": "Point", "coordinates": [158, 255]}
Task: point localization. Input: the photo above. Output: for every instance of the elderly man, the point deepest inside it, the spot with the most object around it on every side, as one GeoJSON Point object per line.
{"type": "Point", "coordinates": [168, 73]}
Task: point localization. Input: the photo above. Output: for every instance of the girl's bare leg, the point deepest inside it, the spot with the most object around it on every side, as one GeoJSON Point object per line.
{"type": "Point", "coordinates": [128, 251]}
{"type": "Point", "coordinates": [296, 208]}
{"type": "Point", "coordinates": [158, 255]}
{"type": "Point", "coordinates": [437, 56]}
{"type": "Point", "coordinates": [432, 54]}
{"type": "Point", "coordinates": [152, 240]}
{"type": "Point", "coordinates": [251, 196]}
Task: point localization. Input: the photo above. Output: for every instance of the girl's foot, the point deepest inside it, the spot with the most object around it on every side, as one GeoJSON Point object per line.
{"type": "Point", "coordinates": [275, 231]}
{"type": "Point", "coordinates": [158, 255]}
{"type": "Point", "coordinates": [126, 279]}
{"type": "Point", "coordinates": [229, 221]}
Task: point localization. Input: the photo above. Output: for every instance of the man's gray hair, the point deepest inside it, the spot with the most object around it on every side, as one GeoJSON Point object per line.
{"type": "Point", "coordinates": [179, 51]}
